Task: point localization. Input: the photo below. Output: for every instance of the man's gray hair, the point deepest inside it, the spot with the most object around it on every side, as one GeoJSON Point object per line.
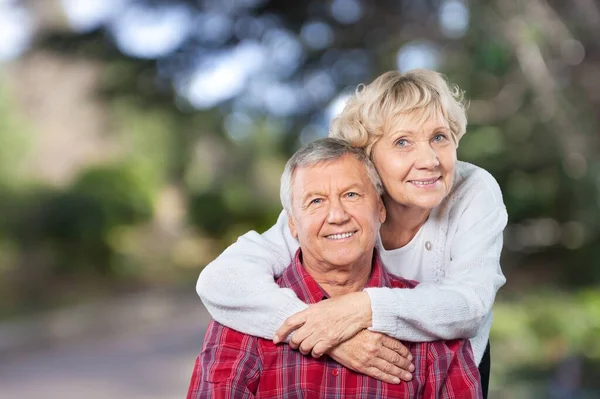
{"type": "Point", "coordinates": [323, 151]}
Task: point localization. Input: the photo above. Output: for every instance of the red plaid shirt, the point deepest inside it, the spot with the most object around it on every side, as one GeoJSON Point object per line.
{"type": "Point", "coordinates": [236, 365]}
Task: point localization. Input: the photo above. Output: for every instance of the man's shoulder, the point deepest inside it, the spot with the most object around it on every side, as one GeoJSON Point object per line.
{"type": "Point", "coordinates": [219, 334]}
{"type": "Point", "coordinates": [400, 282]}
{"type": "Point", "coordinates": [287, 278]}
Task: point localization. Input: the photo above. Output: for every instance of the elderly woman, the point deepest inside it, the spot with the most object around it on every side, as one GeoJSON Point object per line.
{"type": "Point", "coordinates": [444, 228]}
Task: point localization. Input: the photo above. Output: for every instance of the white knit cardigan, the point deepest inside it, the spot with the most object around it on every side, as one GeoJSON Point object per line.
{"type": "Point", "coordinates": [460, 273]}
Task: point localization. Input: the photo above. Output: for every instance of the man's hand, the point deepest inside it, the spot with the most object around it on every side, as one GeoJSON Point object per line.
{"type": "Point", "coordinates": [326, 324]}
{"type": "Point", "coordinates": [376, 355]}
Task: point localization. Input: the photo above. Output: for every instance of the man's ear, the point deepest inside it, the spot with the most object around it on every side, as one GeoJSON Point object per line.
{"type": "Point", "coordinates": [292, 225]}
{"type": "Point", "coordinates": [382, 211]}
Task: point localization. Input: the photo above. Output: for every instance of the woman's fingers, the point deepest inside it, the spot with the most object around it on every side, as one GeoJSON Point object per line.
{"type": "Point", "coordinates": [291, 324]}
{"type": "Point", "coordinates": [332, 321]}
{"type": "Point", "coordinates": [300, 337]}
{"type": "Point", "coordinates": [320, 348]}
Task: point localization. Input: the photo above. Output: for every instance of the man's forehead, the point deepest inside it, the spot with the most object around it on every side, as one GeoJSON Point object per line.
{"type": "Point", "coordinates": [340, 172]}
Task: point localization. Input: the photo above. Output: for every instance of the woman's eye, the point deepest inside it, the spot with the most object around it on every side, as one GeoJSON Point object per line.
{"type": "Point", "coordinates": [402, 143]}
{"type": "Point", "coordinates": [438, 138]}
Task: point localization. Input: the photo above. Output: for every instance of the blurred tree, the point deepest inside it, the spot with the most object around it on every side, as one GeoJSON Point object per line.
{"type": "Point", "coordinates": [212, 97]}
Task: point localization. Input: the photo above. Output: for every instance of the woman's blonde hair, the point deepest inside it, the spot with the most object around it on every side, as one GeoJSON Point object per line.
{"type": "Point", "coordinates": [376, 107]}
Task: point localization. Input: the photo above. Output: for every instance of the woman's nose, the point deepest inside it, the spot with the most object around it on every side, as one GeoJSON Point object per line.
{"type": "Point", "coordinates": [426, 157]}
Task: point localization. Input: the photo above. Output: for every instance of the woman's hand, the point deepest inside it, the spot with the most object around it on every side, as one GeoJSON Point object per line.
{"type": "Point", "coordinates": [376, 355]}
{"type": "Point", "coordinates": [326, 324]}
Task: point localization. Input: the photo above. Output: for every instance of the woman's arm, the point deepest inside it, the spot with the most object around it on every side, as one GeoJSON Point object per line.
{"type": "Point", "coordinates": [238, 288]}
{"type": "Point", "coordinates": [458, 305]}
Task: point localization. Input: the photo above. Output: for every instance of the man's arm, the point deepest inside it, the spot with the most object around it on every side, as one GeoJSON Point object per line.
{"type": "Point", "coordinates": [229, 366]}
{"type": "Point", "coordinates": [451, 371]}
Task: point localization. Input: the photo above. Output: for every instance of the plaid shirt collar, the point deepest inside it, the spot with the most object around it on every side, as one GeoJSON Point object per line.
{"type": "Point", "coordinates": [308, 290]}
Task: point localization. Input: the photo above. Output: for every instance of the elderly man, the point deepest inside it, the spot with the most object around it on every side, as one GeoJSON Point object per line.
{"type": "Point", "coordinates": [332, 194]}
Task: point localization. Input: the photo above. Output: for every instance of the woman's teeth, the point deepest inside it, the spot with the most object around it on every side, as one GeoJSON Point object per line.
{"type": "Point", "coordinates": [424, 182]}
{"type": "Point", "coordinates": [340, 236]}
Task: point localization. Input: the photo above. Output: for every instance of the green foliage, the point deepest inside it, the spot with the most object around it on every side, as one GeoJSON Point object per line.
{"type": "Point", "coordinates": [14, 139]}
{"type": "Point", "coordinates": [539, 330]}
{"type": "Point", "coordinates": [493, 56]}
{"type": "Point", "coordinates": [77, 221]}
{"type": "Point", "coordinates": [218, 217]}
{"type": "Point", "coordinates": [102, 198]}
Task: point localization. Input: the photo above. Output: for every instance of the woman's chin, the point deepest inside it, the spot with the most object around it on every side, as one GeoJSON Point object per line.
{"type": "Point", "coordinates": [426, 202]}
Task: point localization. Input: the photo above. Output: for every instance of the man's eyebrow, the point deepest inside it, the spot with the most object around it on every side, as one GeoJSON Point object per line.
{"type": "Point", "coordinates": [354, 186]}
{"type": "Point", "coordinates": [306, 195]}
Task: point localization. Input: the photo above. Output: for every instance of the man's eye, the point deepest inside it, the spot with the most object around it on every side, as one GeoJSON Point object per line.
{"type": "Point", "coordinates": [352, 195]}
{"type": "Point", "coordinates": [316, 201]}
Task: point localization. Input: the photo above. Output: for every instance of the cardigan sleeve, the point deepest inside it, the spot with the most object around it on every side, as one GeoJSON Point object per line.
{"type": "Point", "coordinates": [238, 288]}
{"type": "Point", "coordinates": [457, 305]}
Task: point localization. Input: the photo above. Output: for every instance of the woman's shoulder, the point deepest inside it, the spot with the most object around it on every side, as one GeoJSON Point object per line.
{"type": "Point", "coordinates": [474, 184]}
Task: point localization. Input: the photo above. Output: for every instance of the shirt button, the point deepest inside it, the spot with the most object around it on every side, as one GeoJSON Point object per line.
{"type": "Point", "coordinates": [335, 372]}
{"type": "Point", "coordinates": [428, 245]}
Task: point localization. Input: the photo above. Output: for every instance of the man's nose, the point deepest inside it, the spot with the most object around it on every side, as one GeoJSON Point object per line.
{"type": "Point", "coordinates": [337, 212]}
{"type": "Point", "coordinates": [426, 156]}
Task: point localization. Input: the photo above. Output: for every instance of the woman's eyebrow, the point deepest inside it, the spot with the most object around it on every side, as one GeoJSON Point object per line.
{"type": "Point", "coordinates": [405, 131]}
{"type": "Point", "coordinates": [412, 132]}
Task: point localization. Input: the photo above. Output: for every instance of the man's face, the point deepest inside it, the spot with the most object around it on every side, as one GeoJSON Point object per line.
{"type": "Point", "coordinates": [336, 212]}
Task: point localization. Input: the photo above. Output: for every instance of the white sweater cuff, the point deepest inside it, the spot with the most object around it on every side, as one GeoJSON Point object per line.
{"type": "Point", "coordinates": [384, 308]}
{"type": "Point", "coordinates": [291, 307]}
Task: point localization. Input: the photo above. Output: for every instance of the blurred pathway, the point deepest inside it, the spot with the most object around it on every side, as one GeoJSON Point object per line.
{"type": "Point", "coordinates": [154, 361]}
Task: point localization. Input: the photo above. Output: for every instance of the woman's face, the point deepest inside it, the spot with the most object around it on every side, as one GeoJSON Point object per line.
{"type": "Point", "coordinates": [416, 162]}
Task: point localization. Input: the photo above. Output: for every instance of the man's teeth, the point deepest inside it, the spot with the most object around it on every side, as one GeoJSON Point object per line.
{"type": "Point", "coordinates": [340, 236]}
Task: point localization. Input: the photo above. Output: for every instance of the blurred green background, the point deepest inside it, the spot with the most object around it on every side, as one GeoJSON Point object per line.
{"type": "Point", "coordinates": [139, 138]}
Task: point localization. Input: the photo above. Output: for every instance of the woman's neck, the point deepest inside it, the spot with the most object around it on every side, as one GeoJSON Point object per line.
{"type": "Point", "coordinates": [402, 223]}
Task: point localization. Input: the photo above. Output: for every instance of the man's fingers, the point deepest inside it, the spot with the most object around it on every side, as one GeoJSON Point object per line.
{"type": "Point", "coordinates": [388, 368]}
{"type": "Point", "coordinates": [394, 358]}
{"type": "Point", "coordinates": [291, 324]}
{"type": "Point", "coordinates": [380, 375]}
{"type": "Point", "coordinates": [397, 347]}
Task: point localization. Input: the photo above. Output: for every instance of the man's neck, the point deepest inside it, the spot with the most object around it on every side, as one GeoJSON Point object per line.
{"type": "Point", "coordinates": [338, 280]}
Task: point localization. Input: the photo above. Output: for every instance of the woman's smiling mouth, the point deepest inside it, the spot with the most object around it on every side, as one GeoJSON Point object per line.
{"type": "Point", "coordinates": [425, 183]}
